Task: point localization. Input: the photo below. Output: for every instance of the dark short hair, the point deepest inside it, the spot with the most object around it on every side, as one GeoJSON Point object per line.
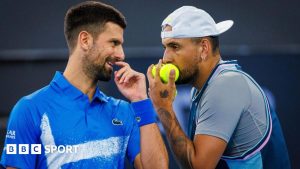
{"type": "Point", "coordinates": [214, 40]}
{"type": "Point", "coordinates": [90, 16]}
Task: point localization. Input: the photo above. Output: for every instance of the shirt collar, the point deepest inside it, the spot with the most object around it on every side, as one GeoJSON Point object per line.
{"type": "Point", "coordinates": [100, 95]}
{"type": "Point", "coordinates": [60, 82]}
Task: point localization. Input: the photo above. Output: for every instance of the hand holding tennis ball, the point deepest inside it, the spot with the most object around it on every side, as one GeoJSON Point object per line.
{"type": "Point", "coordinates": [165, 72]}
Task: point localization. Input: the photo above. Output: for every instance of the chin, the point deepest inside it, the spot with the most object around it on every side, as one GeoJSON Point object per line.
{"type": "Point", "coordinates": [104, 75]}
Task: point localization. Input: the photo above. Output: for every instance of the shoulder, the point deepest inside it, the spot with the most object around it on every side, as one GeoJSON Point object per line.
{"type": "Point", "coordinates": [26, 107]}
{"type": "Point", "coordinates": [229, 79]}
{"type": "Point", "coordinates": [29, 100]}
{"type": "Point", "coordinates": [229, 82]}
{"type": "Point", "coordinates": [38, 94]}
{"type": "Point", "coordinates": [228, 87]}
{"type": "Point", "coordinates": [24, 115]}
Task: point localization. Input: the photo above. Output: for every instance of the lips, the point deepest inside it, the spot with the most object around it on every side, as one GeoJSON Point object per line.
{"type": "Point", "coordinates": [110, 63]}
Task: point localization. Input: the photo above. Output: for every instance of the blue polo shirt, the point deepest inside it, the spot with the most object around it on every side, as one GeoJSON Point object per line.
{"type": "Point", "coordinates": [72, 131]}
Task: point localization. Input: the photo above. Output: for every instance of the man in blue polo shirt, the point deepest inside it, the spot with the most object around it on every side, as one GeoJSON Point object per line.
{"type": "Point", "coordinates": [71, 123]}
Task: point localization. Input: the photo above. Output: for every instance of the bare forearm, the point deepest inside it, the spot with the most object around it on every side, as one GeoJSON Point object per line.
{"type": "Point", "coordinates": [153, 151]}
{"type": "Point", "coordinates": [182, 146]}
{"type": "Point", "coordinates": [204, 151]}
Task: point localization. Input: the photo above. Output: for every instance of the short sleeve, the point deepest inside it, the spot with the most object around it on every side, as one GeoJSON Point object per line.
{"type": "Point", "coordinates": [20, 130]}
{"type": "Point", "coordinates": [133, 148]}
{"type": "Point", "coordinates": [221, 105]}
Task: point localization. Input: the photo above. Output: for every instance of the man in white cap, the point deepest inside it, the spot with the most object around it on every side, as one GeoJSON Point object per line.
{"type": "Point", "coordinates": [230, 117]}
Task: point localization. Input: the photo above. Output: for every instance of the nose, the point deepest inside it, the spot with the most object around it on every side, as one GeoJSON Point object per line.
{"type": "Point", "coordinates": [167, 58]}
{"type": "Point", "coordinates": [119, 53]}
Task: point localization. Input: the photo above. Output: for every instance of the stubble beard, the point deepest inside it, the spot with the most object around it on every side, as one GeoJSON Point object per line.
{"type": "Point", "coordinates": [96, 71]}
{"type": "Point", "coordinates": [187, 76]}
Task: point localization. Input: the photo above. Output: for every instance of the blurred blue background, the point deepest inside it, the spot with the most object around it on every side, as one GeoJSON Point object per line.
{"type": "Point", "coordinates": [265, 39]}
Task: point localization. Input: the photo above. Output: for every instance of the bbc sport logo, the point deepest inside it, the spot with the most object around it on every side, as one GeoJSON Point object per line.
{"type": "Point", "coordinates": [37, 149]}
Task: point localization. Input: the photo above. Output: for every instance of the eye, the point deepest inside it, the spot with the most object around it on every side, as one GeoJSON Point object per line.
{"type": "Point", "coordinates": [174, 46]}
{"type": "Point", "coordinates": [115, 42]}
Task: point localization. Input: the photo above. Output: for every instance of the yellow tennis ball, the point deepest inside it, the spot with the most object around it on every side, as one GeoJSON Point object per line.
{"type": "Point", "coordinates": [165, 72]}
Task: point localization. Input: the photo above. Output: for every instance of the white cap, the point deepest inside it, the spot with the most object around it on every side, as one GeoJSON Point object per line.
{"type": "Point", "coordinates": [189, 21]}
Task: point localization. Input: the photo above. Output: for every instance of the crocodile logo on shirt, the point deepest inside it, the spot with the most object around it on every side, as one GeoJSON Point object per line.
{"type": "Point", "coordinates": [117, 122]}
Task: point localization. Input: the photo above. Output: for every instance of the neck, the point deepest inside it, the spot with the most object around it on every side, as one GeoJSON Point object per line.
{"type": "Point", "coordinates": [205, 69]}
{"type": "Point", "coordinates": [74, 74]}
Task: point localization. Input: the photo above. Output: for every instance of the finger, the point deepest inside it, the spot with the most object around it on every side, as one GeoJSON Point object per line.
{"type": "Point", "coordinates": [149, 92]}
{"type": "Point", "coordinates": [149, 75]}
{"type": "Point", "coordinates": [158, 67]}
{"type": "Point", "coordinates": [121, 72]}
{"type": "Point", "coordinates": [122, 64]}
{"type": "Point", "coordinates": [149, 72]}
{"type": "Point", "coordinates": [149, 95]}
{"type": "Point", "coordinates": [129, 76]}
{"type": "Point", "coordinates": [124, 75]}
{"type": "Point", "coordinates": [116, 79]}
{"type": "Point", "coordinates": [171, 78]}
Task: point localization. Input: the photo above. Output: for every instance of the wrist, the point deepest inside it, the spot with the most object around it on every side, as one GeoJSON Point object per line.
{"type": "Point", "coordinates": [168, 107]}
{"type": "Point", "coordinates": [144, 112]}
{"type": "Point", "coordinates": [139, 98]}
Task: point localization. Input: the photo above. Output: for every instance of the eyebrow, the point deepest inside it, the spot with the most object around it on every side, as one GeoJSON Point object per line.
{"type": "Point", "coordinates": [170, 44]}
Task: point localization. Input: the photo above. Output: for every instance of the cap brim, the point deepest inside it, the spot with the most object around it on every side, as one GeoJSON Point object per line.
{"type": "Point", "coordinates": [224, 26]}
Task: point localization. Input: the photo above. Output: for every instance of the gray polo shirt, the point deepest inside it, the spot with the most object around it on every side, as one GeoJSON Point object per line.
{"type": "Point", "coordinates": [232, 108]}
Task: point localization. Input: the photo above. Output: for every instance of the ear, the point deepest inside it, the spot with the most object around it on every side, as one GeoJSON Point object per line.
{"type": "Point", "coordinates": [204, 48]}
{"type": "Point", "coordinates": [85, 40]}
